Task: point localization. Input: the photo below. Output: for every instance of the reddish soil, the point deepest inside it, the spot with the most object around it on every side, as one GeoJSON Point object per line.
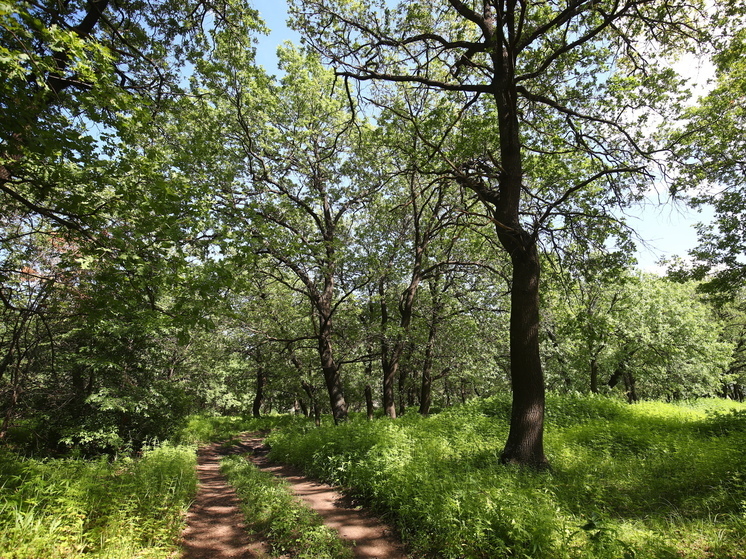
{"type": "Point", "coordinates": [215, 529]}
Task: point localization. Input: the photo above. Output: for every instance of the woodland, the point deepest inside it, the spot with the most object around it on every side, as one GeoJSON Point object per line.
{"type": "Point", "coordinates": [406, 248]}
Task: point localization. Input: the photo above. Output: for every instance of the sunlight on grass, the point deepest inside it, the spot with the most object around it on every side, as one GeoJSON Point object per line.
{"type": "Point", "coordinates": [271, 511]}
{"type": "Point", "coordinates": [651, 480]}
{"type": "Point", "coordinates": [117, 509]}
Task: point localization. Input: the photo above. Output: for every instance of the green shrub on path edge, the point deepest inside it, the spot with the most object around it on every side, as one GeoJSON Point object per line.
{"type": "Point", "coordinates": [118, 509]}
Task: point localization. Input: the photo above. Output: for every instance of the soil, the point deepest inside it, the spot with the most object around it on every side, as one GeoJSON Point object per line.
{"type": "Point", "coordinates": [215, 528]}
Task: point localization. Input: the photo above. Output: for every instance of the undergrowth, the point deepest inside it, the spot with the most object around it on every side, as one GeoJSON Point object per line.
{"type": "Point", "coordinates": [207, 428]}
{"type": "Point", "coordinates": [651, 480]}
{"type": "Point", "coordinates": [114, 509]}
{"type": "Point", "coordinates": [290, 528]}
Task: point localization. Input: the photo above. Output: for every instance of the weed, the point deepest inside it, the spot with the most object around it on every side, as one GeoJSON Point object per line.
{"type": "Point", "coordinates": [118, 509]}
{"type": "Point", "coordinates": [618, 472]}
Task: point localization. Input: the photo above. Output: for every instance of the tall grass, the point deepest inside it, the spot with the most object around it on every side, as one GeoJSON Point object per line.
{"type": "Point", "coordinates": [114, 509]}
{"type": "Point", "coordinates": [650, 480]}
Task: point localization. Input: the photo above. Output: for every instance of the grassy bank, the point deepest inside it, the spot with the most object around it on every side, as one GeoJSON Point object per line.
{"type": "Point", "coordinates": [650, 480]}
{"type": "Point", "coordinates": [114, 509]}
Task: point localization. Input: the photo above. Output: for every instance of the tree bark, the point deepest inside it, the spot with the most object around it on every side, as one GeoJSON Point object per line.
{"type": "Point", "coordinates": [369, 401]}
{"type": "Point", "coordinates": [525, 444]}
{"type": "Point", "coordinates": [259, 397]}
{"type": "Point", "coordinates": [332, 378]}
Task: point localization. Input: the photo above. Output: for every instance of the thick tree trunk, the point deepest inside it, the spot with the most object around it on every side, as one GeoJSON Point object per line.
{"type": "Point", "coordinates": [525, 444]}
{"type": "Point", "coordinates": [332, 378]}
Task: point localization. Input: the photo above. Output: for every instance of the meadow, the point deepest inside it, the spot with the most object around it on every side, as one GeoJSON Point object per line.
{"type": "Point", "coordinates": [651, 480]}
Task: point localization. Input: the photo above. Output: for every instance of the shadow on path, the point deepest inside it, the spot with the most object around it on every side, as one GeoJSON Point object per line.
{"type": "Point", "coordinates": [372, 539]}
{"type": "Point", "coordinates": [215, 527]}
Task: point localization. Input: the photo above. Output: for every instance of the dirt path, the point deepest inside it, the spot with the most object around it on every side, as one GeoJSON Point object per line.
{"type": "Point", "coordinates": [215, 529]}
{"type": "Point", "coordinates": [372, 539]}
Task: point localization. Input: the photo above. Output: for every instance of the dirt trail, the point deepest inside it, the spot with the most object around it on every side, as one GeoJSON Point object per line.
{"type": "Point", "coordinates": [215, 529]}
{"type": "Point", "coordinates": [373, 539]}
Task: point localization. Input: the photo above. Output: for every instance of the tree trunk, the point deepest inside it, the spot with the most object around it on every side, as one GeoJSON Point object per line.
{"type": "Point", "coordinates": [259, 397]}
{"type": "Point", "coordinates": [369, 401]}
{"type": "Point", "coordinates": [389, 376]}
{"type": "Point", "coordinates": [426, 392]}
{"type": "Point", "coordinates": [427, 370]}
{"type": "Point", "coordinates": [629, 385]}
{"type": "Point", "coordinates": [389, 358]}
{"type": "Point", "coordinates": [332, 377]}
{"type": "Point", "coordinates": [525, 444]}
{"type": "Point", "coordinates": [594, 375]}
{"type": "Point", "coordinates": [403, 383]}
{"type": "Point", "coordinates": [311, 391]}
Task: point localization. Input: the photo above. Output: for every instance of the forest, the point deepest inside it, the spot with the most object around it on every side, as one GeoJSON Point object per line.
{"type": "Point", "coordinates": [406, 250]}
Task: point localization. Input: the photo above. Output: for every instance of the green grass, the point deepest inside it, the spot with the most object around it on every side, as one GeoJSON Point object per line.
{"type": "Point", "coordinates": [114, 509]}
{"type": "Point", "coordinates": [200, 429]}
{"type": "Point", "coordinates": [652, 480]}
{"type": "Point", "coordinates": [120, 508]}
{"type": "Point", "coordinates": [271, 512]}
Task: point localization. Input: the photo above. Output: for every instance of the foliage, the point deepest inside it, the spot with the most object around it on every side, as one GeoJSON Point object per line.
{"type": "Point", "coordinates": [271, 510]}
{"type": "Point", "coordinates": [121, 508]}
{"type": "Point", "coordinates": [709, 147]}
{"type": "Point", "coordinates": [650, 480]}
{"type": "Point", "coordinates": [209, 428]}
{"type": "Point", "coordinates": [655, 337]}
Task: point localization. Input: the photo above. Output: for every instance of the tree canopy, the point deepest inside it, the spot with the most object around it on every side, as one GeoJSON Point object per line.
{"type": "Point", "coordinates": [423, 208]}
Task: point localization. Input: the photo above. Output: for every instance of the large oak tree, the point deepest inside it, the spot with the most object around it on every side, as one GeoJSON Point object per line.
{"type": "Point", "coordinates": [556, 99]}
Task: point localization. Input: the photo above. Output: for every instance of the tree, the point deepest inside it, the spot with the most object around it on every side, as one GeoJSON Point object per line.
{"type": "Point", "coordinates": [652, 336]}
{"type": "Point", "coordinates": [98, 215]}
{"type": "Point", "coordinates": [710, 155]}
{"type": "Point", "coordinates": [414, 211]}
{"type": "Point", "coordinates": [305, 167]}
{"type": "Point", "coordinates": [553, 97]}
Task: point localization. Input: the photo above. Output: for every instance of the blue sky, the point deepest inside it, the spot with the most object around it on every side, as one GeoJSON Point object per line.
{"type": "Point", "coordinates": [667, 229]}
